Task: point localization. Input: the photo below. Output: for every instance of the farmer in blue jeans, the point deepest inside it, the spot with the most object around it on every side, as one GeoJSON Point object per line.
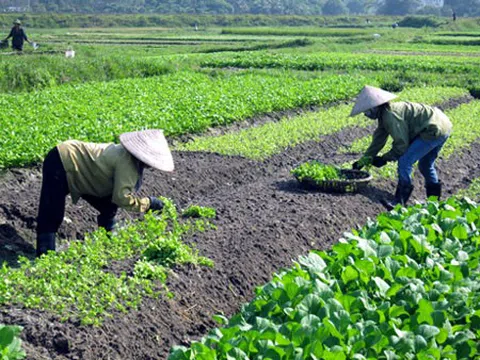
{"type": "Point", "coordinates": [418, 132]}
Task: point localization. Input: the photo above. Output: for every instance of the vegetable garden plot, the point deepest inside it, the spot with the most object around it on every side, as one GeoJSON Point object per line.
{"type": "Point", "coordinates": [185, 102]}
{"type": "Point", "coordinates": [272, 138]}
{"type": "Point", "coordinates": [404, 286]}
{"type": "Point", "coordinates": [261, 225]}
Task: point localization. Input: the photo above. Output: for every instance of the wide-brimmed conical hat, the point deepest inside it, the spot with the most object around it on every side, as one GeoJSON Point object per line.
{"type": "Point", "coordinates": [371, 97]}
{"type": "Point", "coordinates": [150, 147]}
{"type": "Point", "coordinates": [17, 22]}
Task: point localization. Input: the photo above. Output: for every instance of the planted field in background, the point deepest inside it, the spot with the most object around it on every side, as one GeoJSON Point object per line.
{"type": "Point", "coordinates": [272, 138]}
{"type": "Point", "coordinates": [404, 286]}
{"type": "Point", "coordinates": [345, 61]}
{"type": "Point", "coordinates": [80, 283]}
{"type": "Point", "coordinates": [297, 31]}
{"type": "Point", "coordinates": [184, 102]}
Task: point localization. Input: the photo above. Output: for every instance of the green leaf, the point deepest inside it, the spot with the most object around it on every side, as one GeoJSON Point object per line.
{"type": "Point", "coordinates": [6, 336]}
{"type": "Point", "coordinates": [460, 232]}
{"type": "Point", "coordinates": [424, 312]}
{"type": "Point", "coordinates": [349, 274]}
{"type": "Point", "coordinates": [220, 319]}
{"type": "Point", "coordinates": [428, 331]}
{"type": "Point", "coordinates": [381, 285]}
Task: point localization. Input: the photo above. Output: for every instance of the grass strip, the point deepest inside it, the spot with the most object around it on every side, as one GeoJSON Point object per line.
{"type": "Point", "coordinates": [80, 283]}
{"type": "Point", "coordinates": [184, 102]}
{"type": "Point", "coordinates": [272, 138]}
{"type": "Point", "coordinates": [405, 286]}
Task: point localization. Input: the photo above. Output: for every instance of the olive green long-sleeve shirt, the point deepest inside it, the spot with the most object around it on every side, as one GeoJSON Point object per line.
{"type": "Point", "coordinates": [404, 121]}
{"type": "Point", "coordinates": [102, 170]}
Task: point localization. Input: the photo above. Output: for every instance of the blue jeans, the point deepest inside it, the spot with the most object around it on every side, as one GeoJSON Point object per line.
{"type": "Point", "coordinates": [425, 152]}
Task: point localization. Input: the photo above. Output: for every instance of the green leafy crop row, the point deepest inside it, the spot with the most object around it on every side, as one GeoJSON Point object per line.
{"type": "Point", "coordinates": [405, 286]}
{"type": "Point", "coordinates": [345, 61]}
{"type": "Point", "coordinates": [80, 282]}
{"type": "Point", "coordinates": [273, 138]}
{"type": "Point", "coordinates": [185, 102]}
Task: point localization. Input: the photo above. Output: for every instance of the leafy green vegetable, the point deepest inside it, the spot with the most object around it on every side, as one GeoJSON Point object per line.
{"type": "Point", "coordinates": [317, 171]}
{"type": "Point", "coordinates": [62, 282]}
{"type": "Point", "coordinates": [200, 212]}
{"type": "Point", "coordinates": [184, 102]}
{"type": "Point", "coordinates": [405, 286]}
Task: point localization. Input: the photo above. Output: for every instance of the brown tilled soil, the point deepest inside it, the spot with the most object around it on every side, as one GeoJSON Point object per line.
{"type": "Point", "coordinates": [264, 221]}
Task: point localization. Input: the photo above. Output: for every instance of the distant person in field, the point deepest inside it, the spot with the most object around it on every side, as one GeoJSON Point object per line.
{"type": "Point", "coordinates": [18, 36]}
{"type": "Point", "coordinates": [107, 176]}
{"type": "Point", "coordinates": [454, 16]}
{"type": "Point", "coordinates": [418, 132]}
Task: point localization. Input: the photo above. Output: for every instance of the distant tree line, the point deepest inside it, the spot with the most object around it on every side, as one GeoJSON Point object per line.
{"type": "Point", "coordinates": [267, 7]}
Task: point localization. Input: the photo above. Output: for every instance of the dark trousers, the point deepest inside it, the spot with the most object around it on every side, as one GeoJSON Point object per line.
{"type": "Point", "coordinates": [52, 198]}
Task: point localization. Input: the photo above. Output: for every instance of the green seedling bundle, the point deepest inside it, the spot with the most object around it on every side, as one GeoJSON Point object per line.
{"type": "Point", "coordinates": [316, 171]}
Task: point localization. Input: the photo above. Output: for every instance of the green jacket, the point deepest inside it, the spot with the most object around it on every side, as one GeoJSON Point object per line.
{"type": "Point", "coordinates": [102, 170]}
{"type": "Point", "coordinates": [404, 121]}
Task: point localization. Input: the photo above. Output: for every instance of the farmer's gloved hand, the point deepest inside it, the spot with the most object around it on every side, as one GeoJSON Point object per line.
{"type": "Point", "coordinates": [379, 161]}
{"type": "Point", "coordinates": [357, 165]}
{"type": "Point", "coordinates": [155, 204]}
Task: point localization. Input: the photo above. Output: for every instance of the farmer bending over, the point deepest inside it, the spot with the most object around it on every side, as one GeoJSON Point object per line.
{"type": "Point", "coordinates": [105, 175]}
{"type": "Point", "coordinates": [18, 36]}
{"type": "Point", "coordinates": [418, 132]}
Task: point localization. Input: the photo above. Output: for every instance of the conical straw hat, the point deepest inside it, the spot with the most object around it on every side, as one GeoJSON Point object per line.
{"type": "Point", "coordinates": [150, 147]}
{"type": "Point", "coordinates": [371, 97]}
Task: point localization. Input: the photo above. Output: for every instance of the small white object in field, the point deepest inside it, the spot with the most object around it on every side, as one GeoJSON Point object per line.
{"type": "Point", "coordinates": [35, 46]}
{"type": "Point", "coordinates": [70, 54]}
{"type": "Point", "coordinates": [376, 36]}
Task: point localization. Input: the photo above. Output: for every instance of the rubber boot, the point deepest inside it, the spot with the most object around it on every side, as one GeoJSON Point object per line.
{"type": "Point", "coordinates": [434, 190]}
{"type": "Point", "coordinates": [45, 243]}
{"type": "Point", "coordinates": [108, 223]}
{"type": "Point", "coordinates": [402, 194]}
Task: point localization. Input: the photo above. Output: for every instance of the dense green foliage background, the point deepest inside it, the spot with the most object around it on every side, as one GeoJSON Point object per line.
{"type": "Point", "coordinates": [278, 7]}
